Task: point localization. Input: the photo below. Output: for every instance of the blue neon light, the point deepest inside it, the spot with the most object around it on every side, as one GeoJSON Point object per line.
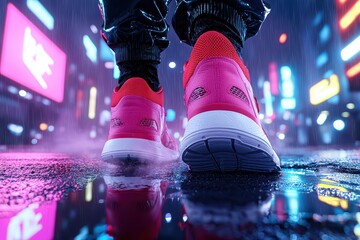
{"type": "Point", "coordinates": [41, 13]}
{"type": "Point", "coordinates": [322, 59]}
{"type": "Point", "coordinates": [287, 83]}
{"type": "Point", "coordinates": [170, 115]}
{"type": "Point", "coordinates": [325, 33]}
{"type": "Point", "coordinates": [288, 103]}
{"type": "Point", "coordinates": [116, 73]}
{"type": "Point", "coordinates": [91, 50]}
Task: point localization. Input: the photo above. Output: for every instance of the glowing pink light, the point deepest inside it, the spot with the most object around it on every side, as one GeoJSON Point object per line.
{"type": "Point", "coordinates": [30, 58]}
{"type": "Point", "coordinates": [32, 222]}
{"type": "Point", "coordinates": [274, 78]}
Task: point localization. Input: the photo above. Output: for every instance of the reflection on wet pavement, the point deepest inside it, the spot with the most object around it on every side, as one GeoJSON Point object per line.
{"type": "Point", "coordinates": [53, 196]}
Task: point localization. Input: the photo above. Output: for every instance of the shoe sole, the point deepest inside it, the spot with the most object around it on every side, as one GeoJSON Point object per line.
{"type": "Point", "coordinates": [227, 141]}
{"type": "Point", "coordinates": [128, 149]}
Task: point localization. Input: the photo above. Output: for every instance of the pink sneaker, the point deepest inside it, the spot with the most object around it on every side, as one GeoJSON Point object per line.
{"type": "Point", "coordinates": [138, 128]}
{"type": "Point", "coordinates": [224, 132]}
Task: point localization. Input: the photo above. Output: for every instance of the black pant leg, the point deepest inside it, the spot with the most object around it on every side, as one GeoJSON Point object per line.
{"type": "Point", "coordinates": [236, 19]}
{"type": "Point", "coordinates": [136, 31]}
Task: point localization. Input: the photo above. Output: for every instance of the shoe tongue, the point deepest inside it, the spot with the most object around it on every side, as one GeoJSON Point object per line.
{"type": "Point", "coordinates": [211, 44]}
{"type": "Point", "coordinates": [137, 87]}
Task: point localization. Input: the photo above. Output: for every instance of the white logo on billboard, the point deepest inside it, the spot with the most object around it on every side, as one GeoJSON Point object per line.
{"type": "Point", "coordinates": [25, 224]}
{"type": "Point", "coordinates": [36, 59]}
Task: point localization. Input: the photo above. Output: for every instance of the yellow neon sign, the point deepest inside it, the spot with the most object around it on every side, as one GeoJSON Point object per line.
{"type": "Point", "coordinates": [353, 71]}
{"type": "Point", "coordinates": [350, 16]}
{"type": "Point", "coordinates": [333, 200]}
{"type": "Point", "coordinates": [325, 89]}
{"type": "Point", "coordinates": [92, 103]}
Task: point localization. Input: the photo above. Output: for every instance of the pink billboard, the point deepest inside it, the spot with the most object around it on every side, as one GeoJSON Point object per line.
{"type": "Point", "coordinates": [30, 58]}
{"type": "Point", "coordinates": [33, 222]}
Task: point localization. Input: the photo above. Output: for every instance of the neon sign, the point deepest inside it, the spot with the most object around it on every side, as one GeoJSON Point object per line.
{"type": "Point", "coordinates": [30, 58]}
{"type": "Point", "coordinates": [324, 90]}
{"type": "Point", "coordinates": [32, 222]}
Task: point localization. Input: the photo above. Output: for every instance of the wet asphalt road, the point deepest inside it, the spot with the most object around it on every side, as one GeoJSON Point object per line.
{"type": "Point", "coordinates": [60, 196]}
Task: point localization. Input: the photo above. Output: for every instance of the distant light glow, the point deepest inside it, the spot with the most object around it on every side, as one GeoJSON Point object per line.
{"type": "Point", "coordinates": [351, 49]}
{"type": "Point", "coordinates": [185, 122]}
{"type": "Point", "coordinates": [318, 18]}
{"type": "Point", "coordinates": [322, 59]}
{"type": "Point", "coordinates": [92, 103]}
{"type": "Point", "coordinates": [91, 50]}
{"type": "Point", "coordinates": [34, 141]}
{"type": "Point", "coordinates": [288, 103]}
{"type": "Point", "coordinates": [357, 229]}
{"type": "Point", "coordinates": [46, 102]}
{"type": "Point", "coordinates": [38, 136]}
{"type": "Point", "coordinates": [261, 116]}
{"type": "Point", "coordinates": [339, 125]}
{"type": "Point", "coordinates": [43, 126]}
{"type": "Point", "coordinates": [326, 137]}
{"type": "Point", "coordinates": [324, 90]}
{"type": "Point", "coordinates": [185, 218]}
{"type": "Point", "coordinates": [287, 115]}
{"type": "Point", "coordinates": [331, 200]}
{"type": "Point", "coordinates": [325, 33]}
{"type": "Point", "coordinates": [293, 201]}
{"type": "Point", "coordinates": [283, 37]}
{"type": "Point", "coordinates": [88, 192]}
{"type": "Point", "coordinates": [168, 217]}
{"type": "Point", "coordinates": [288, 89]}
{"type": "Point", "coordinates": [322, 117]}
{"type": "Point", "coordinates": [269, 110]}
{"type": "Point", "coordinates": [267, 121]}
{"type": "Point", "coordinates": [287, 83]}
{"type": "Point", "coordinates": [285, 72]}
{"type": "Point", "coordinates": [12, 89]}
{"type": "Point", "coordinates": [28, 96]}
{"type": "Point", "coordinates": [41, 13]}
{"type": "Point", "coordinates": [170, 115]}
{"type": "Point", "coordinates": [15, 129]}
{"type": "Point", "coordinates": [22, 93]}
{"type": "Point", "coordinates": [94, 29]}
{"type": "Point", "coordinates": [274, 78]}
{"type": "Point", "coordinates": [172, 64]}
{"type": "Point", "coordinates": [92, 133]}
{"type": "Point", "coordinates": [107, 100]}
{"type": "Point", "coordinates": [51, 128]}
{"type": "Point", "coordinates": [308, 121]}
{"type": "Point", "coordinates": [350, 16]}
{"type": "Point", "coordinates": [350, 106]}
{"type": "Point", "coordinates": [345, 114]}
{"type": "Point", "coordinates": [25, 94]}
{"type": "Point", "coordinates": [353, 71]}
{"type": "Point", "coordinates": [109, 65]}
{"type": "Point", "coordinates": [281, 136]}
{"type": "Point", "coordinates": [105, 117]}
{"type": "Point", "coordinates": [176, 135]}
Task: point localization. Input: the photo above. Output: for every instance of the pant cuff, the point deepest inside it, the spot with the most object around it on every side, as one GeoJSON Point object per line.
{"type": "Point", "coordinates": [136, 52]}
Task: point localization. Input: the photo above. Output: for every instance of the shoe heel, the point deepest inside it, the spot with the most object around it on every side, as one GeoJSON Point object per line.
{"type": "Point", "coordinates": [215, 141]}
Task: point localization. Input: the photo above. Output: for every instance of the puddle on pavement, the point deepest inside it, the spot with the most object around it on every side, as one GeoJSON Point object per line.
{"type": "Point", "coordinates": [168, 202]}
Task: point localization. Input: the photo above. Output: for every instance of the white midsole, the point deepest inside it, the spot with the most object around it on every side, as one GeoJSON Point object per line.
{"type": "Point", "coordinates": [220, 123]}
{"type": "Point", "coordinates": [138, 147]}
